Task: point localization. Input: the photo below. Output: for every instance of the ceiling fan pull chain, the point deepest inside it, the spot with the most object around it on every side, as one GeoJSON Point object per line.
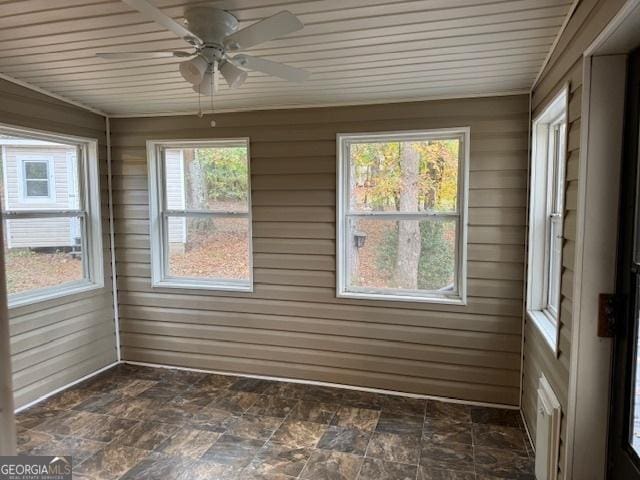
{"type": "Point", "coordinates": [213, 122]}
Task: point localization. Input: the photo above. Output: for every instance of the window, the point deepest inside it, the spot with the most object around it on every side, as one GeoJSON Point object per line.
{"type": "Point", "coordinates": [546, 217]}
{"type": "Point", "coordinates": [51, 215]}
{"type": "Point", "coordinates": [200, 211]}
{"type": "Point", "coordinates": [402, 215]}
{"type": "Point", "coordinates": [36, 180]}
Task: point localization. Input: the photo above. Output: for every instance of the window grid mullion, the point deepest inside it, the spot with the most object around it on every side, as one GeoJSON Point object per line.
{"type": "Point", "coordinates": [204, 213]}
{"type": "Point", "coordinates": [403, 215]}
{"type": "Point", "coordinates": [27, 214]}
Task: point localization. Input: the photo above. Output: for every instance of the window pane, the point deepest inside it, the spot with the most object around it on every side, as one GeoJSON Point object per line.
{"type": "Point", "coordinates": [407, 176]}
{"type": "Point", "coordinates": [35, 170]}
{"type": "Point", "coordinates": [42, 252]}
{"type": "Point", "coordinates": [208, 248]}
{"type": "Point", "coordinates": [37, 188]}
{"type": "Point", "coordinates": [402, 254]}
{"type": "Point", "coordinates": [207, 178]}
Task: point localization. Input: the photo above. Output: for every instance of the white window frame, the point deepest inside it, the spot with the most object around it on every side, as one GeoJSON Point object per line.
{"type": "Point", "coordinates": [89, 210]}
{"type": "Point", "coordinates": [158, 212]}
{"type": "Point", "coordinates": [546, 207]}
{"type": "Point", "coordinates": [459, 295]}
{"type": "Point", "coordinates": [22, 160]}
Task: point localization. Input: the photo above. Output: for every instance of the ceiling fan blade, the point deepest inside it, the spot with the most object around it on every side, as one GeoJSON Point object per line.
{"type": "Point", "coordinates": [272, 27]}
{"type": "Point", "coordinates": [126, 55]}
{"type": "Point", "coordinates": [276, 69]}
{"type": "Point", "coordinates": [143, 6]}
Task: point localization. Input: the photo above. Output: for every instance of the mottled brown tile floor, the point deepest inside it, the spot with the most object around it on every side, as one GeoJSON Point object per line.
{"type": "Point", "coordinates": [135, 422]}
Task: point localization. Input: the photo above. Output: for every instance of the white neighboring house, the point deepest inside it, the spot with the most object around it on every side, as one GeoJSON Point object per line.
{"type": "Point", "coordinates": [174, 165]}
{"type": "Point", "coordinates": [40, 175]}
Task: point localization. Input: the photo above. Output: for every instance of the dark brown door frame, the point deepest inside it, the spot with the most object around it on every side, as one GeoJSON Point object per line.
{"type": "Point", "coordinates": [623, 462]}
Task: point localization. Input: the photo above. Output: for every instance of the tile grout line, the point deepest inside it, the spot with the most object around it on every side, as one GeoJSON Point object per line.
{"type": "Point", "coordinates": [318, 441]}
{"type": "Point", "coordinates": [424, 421]}
{"type": "Point", "coordinates": [364, 454]}
{"type": "Point", "coordinates": [328, 426]}
{"type": "Point", "coordinates": [268, 438]}
{"type": "Point", "coordinates": [312, 449]}
{"type": "Point", "coordinates": [311, 453]}
{"type": "Point", "coordinates": [473, 449]}
{"type": "Point", "coordinates": [284, 419]}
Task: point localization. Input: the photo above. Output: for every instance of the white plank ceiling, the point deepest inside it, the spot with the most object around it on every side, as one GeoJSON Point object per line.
{"type": "Point", "coordinates": [359, 51]}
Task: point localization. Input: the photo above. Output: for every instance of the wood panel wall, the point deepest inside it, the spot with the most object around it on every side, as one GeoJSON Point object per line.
{"type": "Point", "coordinates": [292, 325]}
{"type": "Point", "coordinates": [59, 341]}
{"type": "Point", "coordinates": [565, 65]}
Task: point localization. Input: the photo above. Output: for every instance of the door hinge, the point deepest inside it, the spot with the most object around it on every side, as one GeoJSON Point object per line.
{"type": "Point", "coordinates": [609, 308]}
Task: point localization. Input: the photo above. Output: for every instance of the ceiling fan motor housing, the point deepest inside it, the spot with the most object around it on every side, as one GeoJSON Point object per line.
{"type": "Point", "coordinates": [211, 24]}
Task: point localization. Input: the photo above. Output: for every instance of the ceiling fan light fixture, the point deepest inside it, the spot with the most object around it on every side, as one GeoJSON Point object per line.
{"type": "Point", "coordinates": [205, 87]}
{"type": "Point", "coordinates": [233, 75]}
{"type": "Point", "coordinates": [194, 70]}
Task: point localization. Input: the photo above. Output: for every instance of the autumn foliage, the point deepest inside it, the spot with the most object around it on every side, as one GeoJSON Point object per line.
{"type": "Point", "coordinates": [407, 178]}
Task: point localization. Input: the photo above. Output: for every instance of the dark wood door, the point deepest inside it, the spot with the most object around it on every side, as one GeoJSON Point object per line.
{"type": "Point", "coordinates": [624, 435]}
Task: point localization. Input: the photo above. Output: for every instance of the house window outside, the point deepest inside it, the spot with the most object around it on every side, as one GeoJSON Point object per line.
{"type": "Point", "coordinates": [36, 183]}
{"type": "Point", "coordinates": [546, 217]}
{"type": "Point", "coordinates": [402, 215]}
{"type": "Point", "coordinates": [201, 216]}
{"type": "Point", "coordinates": [51, 215]}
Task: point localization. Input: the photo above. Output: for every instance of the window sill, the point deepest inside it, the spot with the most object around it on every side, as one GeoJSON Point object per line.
{"type": "Point", "coordinates": [546, 327]}
{"type": "Point", "coordinates": [38, 296]}
{"type": "Point", "coordinates": [194, 285]}
{"type": "Point", "coordinates": [402, 298]}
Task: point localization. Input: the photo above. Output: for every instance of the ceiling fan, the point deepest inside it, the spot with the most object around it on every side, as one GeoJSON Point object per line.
{"type": "Point", "coordinates": [212, 34]}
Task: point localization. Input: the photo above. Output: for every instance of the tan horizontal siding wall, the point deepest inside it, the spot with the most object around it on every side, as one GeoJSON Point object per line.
{"type": "Point", "coordinates": [565, 66]}
{"type": "Point", "coordinates": [56, 342]}
{"type": "Point", "coordinates": [293, 325]}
